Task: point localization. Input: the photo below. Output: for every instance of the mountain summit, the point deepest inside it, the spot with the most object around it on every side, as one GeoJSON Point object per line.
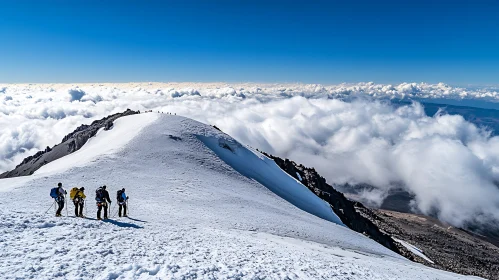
{"type": "Point", "coordinates": [201, 205]}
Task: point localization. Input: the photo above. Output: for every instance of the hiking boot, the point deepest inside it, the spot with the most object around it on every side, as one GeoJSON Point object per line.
{"type": "Point", "coordinates": [99, 219]}
{"type": "Point", "coordinates": [58, 215]}
{"type": "Point", "coordinates": [125, 215]}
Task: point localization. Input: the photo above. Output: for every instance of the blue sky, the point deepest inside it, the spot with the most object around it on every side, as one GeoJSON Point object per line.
{"type": "Point", "coordinates": [456, 42]}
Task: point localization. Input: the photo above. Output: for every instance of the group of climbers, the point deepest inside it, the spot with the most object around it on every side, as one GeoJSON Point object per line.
{"type": "Point", "coordinates": [78, 197]}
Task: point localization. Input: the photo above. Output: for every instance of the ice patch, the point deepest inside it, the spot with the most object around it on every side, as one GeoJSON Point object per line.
{"type": "Point", "coordinates": [299, 176]}
{"type": "Point", "coordinates": [415, 250]}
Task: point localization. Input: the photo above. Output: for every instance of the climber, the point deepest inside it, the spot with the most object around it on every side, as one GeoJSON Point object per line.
{"type": "Point", "coordinates": [102, 198]}
{"type": "Point", "coordinates": [78, 197]}
{"type": "Point", "coordinates": [58, 194]}
{"type": "Point", "coordinates": [122, 201]}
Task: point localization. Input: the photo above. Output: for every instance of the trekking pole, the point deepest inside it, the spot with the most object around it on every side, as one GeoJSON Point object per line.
{"type": "Point", "coordinates": [109, 210]}
{"type": "Point", "coordinates": [50, 207]}
{"type": "Point", "coordinates": [127, 208]}
{"type": "Point", "coordinates": [116, 208]}
{"type": "Point", "coordinates": [111, 214]}
{"type": "Point", "coordinates": [66, 202]}
{"type": "Point", "coordinates": [115, 212]}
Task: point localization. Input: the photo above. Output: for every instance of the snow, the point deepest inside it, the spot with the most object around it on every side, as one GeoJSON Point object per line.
{"type": "Point", "coordinates": [112, 140]}
{"type": "Point", "coordinates": [255, 165]}
{"type": "Point", "coordinates": [192, 215]}
{"type": "Point", "coordinates": [299, 176]}
{"type": "Point", "coordinates": [9, 184]}
{"type": "Point", "coordinates": [415, 250]}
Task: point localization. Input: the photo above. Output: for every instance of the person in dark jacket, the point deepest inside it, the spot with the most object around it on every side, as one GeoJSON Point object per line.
{"type": "Point", "coordinates": [122, 200]}
{"type": "Point", "coordinates": [102, 198]}
{"type": "Point", "coordinates": [60, 199]}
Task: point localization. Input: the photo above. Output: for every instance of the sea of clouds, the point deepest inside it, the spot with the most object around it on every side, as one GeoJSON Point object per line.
{"type": "Point", "coordinates": [349, 133]}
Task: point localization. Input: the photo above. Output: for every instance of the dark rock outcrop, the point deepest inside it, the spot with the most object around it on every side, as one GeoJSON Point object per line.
{"type": "Point", "coordinates": [450, 249]}
{"type": "Point", "coordinates": [343, 207]}
{"type": "Point", "coordinates": [69, 144]}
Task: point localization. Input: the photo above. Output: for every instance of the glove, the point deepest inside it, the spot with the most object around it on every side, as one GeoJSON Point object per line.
{"type": "Point", "coordinates": [127, 198]}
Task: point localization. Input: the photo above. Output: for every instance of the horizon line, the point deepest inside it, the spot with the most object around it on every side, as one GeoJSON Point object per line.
{"type": "Point", "coordinates": [247, 82]}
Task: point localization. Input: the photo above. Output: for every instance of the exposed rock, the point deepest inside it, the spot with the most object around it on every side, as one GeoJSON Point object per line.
{"type": "Point", "coordinates": [343, 207]}
{"type": "Point", "coordinates": [108, 125]}
{"type": "Point", "coordinates": [69, 144]}
{"type": "Point", "coordinates": [449, 248]}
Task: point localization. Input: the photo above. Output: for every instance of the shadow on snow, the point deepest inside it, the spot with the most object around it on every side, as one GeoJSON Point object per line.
{"type": "Point", "coordinates": [137, 220]}
{"type": "Point", "coordinates": [122, 224]}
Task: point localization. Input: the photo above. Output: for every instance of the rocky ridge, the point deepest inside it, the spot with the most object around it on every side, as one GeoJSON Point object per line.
{"type": "Point", "coordinates": [69, 144]}
{"type": "Point", "coordinates": [450, 248]}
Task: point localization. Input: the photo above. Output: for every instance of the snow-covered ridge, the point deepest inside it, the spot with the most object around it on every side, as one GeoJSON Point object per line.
{"type": "Point", "coordinates": [124, 129]}
{"type": "Point", "coordinates": [254, 165]}
{"type": "Point", "coordinates": [193, 215]}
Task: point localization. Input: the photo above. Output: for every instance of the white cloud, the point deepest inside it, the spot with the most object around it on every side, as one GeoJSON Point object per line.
{"type": "Point", "coordinates": [449, 164]}
{"type": "Point", "coordinates": [76, 94]}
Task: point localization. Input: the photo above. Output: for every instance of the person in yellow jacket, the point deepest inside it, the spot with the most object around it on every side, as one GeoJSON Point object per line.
{"type": "Point", "coordinates": [79, 202]}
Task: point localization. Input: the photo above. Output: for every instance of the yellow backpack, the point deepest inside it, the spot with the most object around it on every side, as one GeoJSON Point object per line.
{"type": "Point", "coordinates": [73, 192]}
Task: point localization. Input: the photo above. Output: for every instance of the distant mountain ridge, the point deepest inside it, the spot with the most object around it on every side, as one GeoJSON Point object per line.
{"type": "Point", "coordinates": [481, 117]}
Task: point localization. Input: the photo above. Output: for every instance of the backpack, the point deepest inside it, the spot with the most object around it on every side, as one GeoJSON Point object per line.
{"type": "Point", "coordinates": [54, 193]}
{"type": "Point", "coordinates": [119, 196]}
{"type": "Point", "coordinates": [72, 194]}
{"type": "Point", "coordinates": [99, 194]}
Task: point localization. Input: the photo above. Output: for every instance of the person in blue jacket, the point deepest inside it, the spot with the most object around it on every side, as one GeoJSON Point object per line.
{"type": "Point", "coordinates": [122, 200]}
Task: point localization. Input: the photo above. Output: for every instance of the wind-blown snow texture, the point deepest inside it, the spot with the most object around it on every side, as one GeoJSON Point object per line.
{"type": "Point", "coordinates": [193, 216]}
{"type": "Point", "coordinates": [264, 170]}
{"type": "Point", "coordinates": [448, 164]}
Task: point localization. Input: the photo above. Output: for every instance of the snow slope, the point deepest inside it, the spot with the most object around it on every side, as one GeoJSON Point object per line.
{"type": "Point", "coordinates": [198, 210]}
{"type": "Point", "coordinates": [113, 140]}
{"type": "Point", "coordinates": [255, 165]}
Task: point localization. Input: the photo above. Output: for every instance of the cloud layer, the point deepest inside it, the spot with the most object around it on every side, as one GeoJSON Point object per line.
{"type": "Point", "coordinates": [450, 165]}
